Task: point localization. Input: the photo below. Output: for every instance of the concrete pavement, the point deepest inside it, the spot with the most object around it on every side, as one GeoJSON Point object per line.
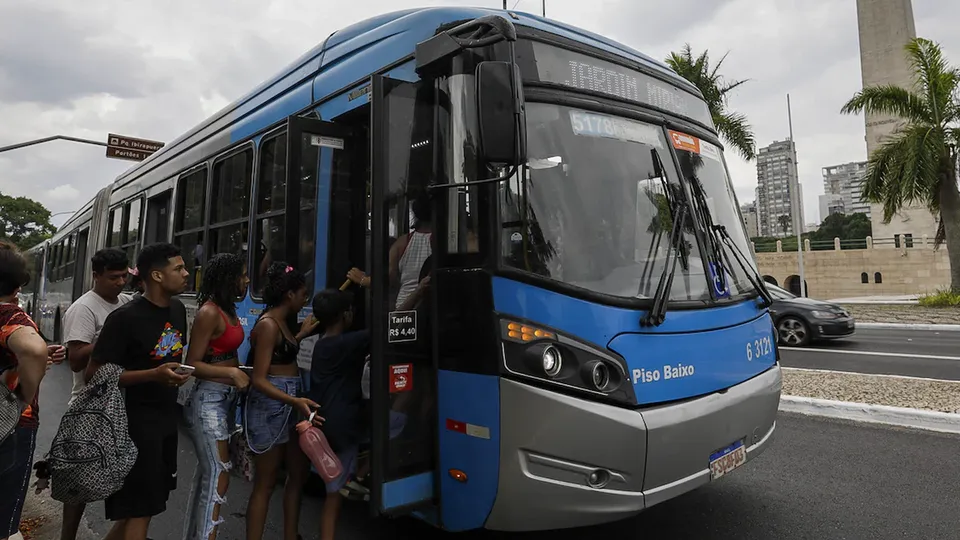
{"type": "Point", "coordinates": [913, 353]}
{"type": "Point", "coordinates": [820, 479]}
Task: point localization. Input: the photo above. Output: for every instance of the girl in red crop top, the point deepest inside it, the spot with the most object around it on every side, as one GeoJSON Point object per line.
{"type": "Point", "coordinates": [214, 339]}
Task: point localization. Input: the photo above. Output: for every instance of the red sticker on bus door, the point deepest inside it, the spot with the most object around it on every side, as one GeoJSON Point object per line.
{"type": "Point", "coordinates": [401, 378]}
{"type": "Point", "coordinates": [682, 141]}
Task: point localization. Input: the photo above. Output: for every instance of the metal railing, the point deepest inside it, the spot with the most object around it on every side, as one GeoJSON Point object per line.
{"type": "Point", "coordinates": [789, 244]}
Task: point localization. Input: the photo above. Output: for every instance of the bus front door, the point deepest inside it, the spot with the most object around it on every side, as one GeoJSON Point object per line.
{"type": "Point", "coordinates": [402, 368]}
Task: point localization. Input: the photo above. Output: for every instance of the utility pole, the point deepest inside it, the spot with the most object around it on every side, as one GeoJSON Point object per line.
{"type": "Point", "coordinates": [798, 219]}
{"type": "Point", "coordinates": [543, 6]}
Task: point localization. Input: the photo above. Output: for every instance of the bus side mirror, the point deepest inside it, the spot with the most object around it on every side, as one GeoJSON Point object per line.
{"type": "Point", "coordinates": [500, 113]}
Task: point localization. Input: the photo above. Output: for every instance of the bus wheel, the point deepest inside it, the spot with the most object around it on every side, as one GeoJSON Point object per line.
{"type": "Point", "coordinates": [793, 332]}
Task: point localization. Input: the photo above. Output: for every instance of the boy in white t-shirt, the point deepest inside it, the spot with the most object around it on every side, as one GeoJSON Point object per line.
{"type": "Point", "coordinates": [81, 327]}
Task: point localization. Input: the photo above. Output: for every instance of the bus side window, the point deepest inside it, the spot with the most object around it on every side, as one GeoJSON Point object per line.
{"type": "Point", "coordinates": [69, 258]}
{"type": "Point", "coordinates": [230, 204]}
{"type": "Point", "coordinates": [269, 237]}
{"type": "Point", "coordinates": [188, 221]}
{"type": "Point", "coordinates": [52, 270]}
{"type": "Point", "coordinates": [131, 233]}
{"type": "Point", "coordinates": [116, 227]}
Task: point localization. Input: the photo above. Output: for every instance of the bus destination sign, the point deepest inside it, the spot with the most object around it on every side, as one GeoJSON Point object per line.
{"type": "Point", "coordinates": [122, 147]}
{"type": "Point", "coordinates": [576, 70]}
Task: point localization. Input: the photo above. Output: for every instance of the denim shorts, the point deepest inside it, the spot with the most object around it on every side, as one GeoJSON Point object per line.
{"type": "Point", "coordinates": [210, 410]}
{"type": "Point", "coordinates": [268, 422]}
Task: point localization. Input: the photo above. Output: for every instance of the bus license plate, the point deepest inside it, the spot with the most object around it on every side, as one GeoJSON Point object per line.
{"type": "Point", "coordinates": [728, 459]}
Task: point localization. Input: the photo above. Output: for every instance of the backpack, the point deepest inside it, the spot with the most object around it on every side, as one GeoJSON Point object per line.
{"type": "Point", "coordinates": [92, 452]}
{"type": "Point", "coordinates": [10, 408]}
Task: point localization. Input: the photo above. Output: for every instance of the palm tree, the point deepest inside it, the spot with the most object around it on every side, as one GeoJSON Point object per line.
{"type": "Point", "coordinates": [732, 126]}
{"type": "Point", "coordinates": [784, 221]}
{"type": "Point", "coordinates": [918, 163]}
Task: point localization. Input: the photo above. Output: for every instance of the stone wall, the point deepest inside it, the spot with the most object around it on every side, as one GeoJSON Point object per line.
{"type": "Point", "coordinates": [839, 273]}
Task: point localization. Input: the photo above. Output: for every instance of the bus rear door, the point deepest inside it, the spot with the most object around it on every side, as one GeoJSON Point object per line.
{"type": "Point", "coordinates": [403, 372]}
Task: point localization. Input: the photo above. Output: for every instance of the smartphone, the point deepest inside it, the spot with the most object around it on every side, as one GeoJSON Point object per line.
{"type": "Point", "coordinates": [184, 369]}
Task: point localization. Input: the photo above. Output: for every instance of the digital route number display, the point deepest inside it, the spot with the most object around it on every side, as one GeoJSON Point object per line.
{"type": "Point", "coordinates": [576, 70]}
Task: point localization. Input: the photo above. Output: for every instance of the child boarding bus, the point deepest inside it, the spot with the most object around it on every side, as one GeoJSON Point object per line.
{"type": "Point", "coordinates": [593, 338]}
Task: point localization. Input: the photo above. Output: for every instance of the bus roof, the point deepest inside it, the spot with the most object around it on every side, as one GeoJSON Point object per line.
{"type": "Point", "coordinates": [419, 24]}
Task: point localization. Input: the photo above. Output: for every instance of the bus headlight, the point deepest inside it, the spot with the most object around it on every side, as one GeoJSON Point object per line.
{"type": "Point", "coordinates": [534, 354]}
{"type": "Point", "coordinates": [599, 374]}
{"type": "Point", "coordinates": [552, 360]}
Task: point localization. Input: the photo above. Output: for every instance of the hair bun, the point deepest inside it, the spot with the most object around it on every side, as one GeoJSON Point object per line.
{"type": "Point", "coordinates": [277, 269]}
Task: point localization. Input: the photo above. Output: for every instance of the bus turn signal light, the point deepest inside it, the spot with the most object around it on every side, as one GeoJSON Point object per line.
{"type": "Point", "coordinates": [458, 475]}
{"type": "Point", "coordinates": [526, 333]}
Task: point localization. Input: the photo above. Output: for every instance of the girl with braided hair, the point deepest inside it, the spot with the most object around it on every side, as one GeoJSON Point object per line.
{"type": "Point", "coordinates": [274, 405]}
{"type": "Point", "coordinates": [214, 339]}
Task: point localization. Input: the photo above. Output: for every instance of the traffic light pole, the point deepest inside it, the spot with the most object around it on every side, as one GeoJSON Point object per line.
{"type": "Point", "coordinates": [50, 139]}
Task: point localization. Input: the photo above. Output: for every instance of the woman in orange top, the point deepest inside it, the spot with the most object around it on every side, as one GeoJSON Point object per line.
{"type": "Point", "coordinates": [24, 357]}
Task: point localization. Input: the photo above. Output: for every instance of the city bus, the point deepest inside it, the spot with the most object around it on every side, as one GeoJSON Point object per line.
{"type": "Point", "coordinates": [593, 338]}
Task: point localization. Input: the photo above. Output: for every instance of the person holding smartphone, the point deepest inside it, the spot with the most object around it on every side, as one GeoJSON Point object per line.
{"type": "Point", "coordinates": [146, 337]}
{"type": "Point", "coordinates": [274, 405]}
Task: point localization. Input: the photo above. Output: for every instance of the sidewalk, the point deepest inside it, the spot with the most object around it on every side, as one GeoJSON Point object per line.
{"type": "Point", "coordinates": [902, 314]}
{"type": "Point", "coordinates": [906, 299]}
{"type": "Point", "coordinates": [42, 519]}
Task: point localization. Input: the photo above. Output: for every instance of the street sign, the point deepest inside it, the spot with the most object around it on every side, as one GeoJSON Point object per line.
{"type": "Point", "coordinates": [122, 153]}
{"type": "Point", "coordinates": [122, 147]}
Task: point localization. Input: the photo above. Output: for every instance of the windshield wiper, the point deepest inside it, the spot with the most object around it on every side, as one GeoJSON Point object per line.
{"type": "Point", "coordinates": [718, 237]}
{"type": "Point", "coordinates": [752, 275]}
{"type": "Point", "coordinates": [658, 311]}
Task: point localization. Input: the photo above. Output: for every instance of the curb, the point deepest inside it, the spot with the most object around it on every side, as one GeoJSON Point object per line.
{"type": "Point", "coordinates": [874, 414]}
{"type": "Point", "coordinates": [906, 326]}
{"type": "Point", "coordinates": [876, 302]}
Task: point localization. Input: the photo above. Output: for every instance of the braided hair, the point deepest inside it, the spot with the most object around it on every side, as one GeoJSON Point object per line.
{"type": "Point", "coordinates": [219, 285]}
{"type": "Point", "coordinates": [281, 279]}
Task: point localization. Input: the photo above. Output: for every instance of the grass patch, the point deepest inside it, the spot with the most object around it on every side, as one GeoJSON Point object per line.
{"type": "Point", "coordinates": [941, 298]}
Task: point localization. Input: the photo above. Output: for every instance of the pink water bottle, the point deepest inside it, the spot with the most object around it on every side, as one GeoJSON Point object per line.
{"type": "Point", "coordinates": [314, 444]}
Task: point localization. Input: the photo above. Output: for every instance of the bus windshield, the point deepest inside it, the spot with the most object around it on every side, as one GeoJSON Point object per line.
{"type": "Point", "coordinates": [701, 165]}
{"type": "Point", "coordinates": [592, 207]}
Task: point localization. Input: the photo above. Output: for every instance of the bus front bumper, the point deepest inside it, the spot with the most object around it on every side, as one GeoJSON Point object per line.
{"type": "Point", "coordinates": [553, 446]}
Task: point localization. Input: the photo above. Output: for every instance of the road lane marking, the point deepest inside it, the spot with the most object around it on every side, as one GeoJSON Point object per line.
{"type": "Point", "coordinates": [833, 371]}
{"type": "Point", "coordinates": [873, 353]}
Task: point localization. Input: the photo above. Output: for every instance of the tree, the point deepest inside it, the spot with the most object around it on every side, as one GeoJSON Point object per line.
{"type": "Point", "coordinates": [732, 126]}
{"type": "Point", "coordinates": [24, 221]}
{"type": "Point", "coordinates": [918, 163]}
{"type": "Point", "coordinates": [845, 227]}
{"type": "Point", "coordinates": [784, 221]}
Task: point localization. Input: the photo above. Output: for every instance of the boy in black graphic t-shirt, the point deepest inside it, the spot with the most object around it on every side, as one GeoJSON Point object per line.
{"type": "Point", "coordinates": [147, 337]}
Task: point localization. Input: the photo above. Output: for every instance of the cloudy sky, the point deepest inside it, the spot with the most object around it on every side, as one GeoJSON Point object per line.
{"type": "Point", "coordinates": [156, 69]}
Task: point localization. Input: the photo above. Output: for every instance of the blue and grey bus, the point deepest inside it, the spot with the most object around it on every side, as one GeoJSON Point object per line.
{"type": "Point", "coordinates": [594, 338]}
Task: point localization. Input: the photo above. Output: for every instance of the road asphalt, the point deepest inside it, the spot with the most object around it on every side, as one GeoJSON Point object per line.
{"type": "Point", "coordinates": [820, 479]}
{"type": "Point", "coordinates": [913, 353]}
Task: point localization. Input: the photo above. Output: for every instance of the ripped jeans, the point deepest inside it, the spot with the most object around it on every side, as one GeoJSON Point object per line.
{"type": "Point", "coordinates": [210, 416]}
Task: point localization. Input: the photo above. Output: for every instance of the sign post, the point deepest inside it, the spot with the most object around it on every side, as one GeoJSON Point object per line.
{"type": "Point", "coordinates": [123, 147]}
